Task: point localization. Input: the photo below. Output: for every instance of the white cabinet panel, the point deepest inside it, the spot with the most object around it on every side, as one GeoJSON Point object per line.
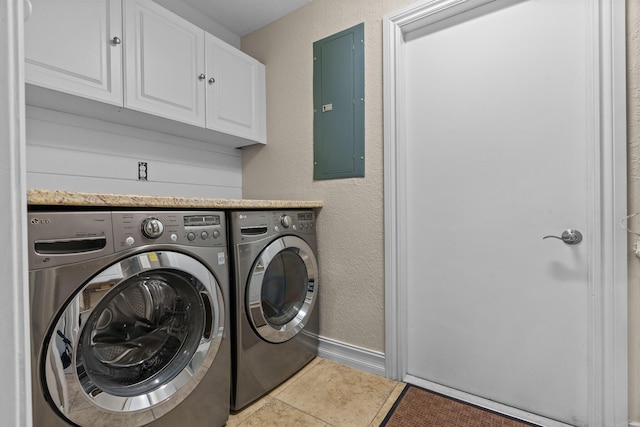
{"type": "Point", "coordinates": [69, 47]}
{"type": "Point", "coordinates": [235, 91]}
{"type": "Point", "coordinates": [164, 57]}
{"type": "Point", "coordinates": [158, 68]}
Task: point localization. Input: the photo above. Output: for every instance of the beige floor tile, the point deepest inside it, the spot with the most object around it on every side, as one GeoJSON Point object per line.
{"type": "Point", "coordinates": [386, 407]}
{"type": "Point", "coordinates": [237, 418]}
{"type": "Point", "coordinates": [277, 413]}
{"type": "Point", "coordinates": [276, 391]}
{"type": "Point", "coordinates": [339, 395]}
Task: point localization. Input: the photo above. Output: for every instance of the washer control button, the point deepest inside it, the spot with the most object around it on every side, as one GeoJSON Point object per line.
{"type": "Point", "coordinates": [129, 240]}
{"type": "Point", "coordinates": [216, 234]}
{"type": "Point", "coordinates": [204, 235]}
{"type": "Point", "coordinates": [191, 236]}
{"type": "Point", "coordinates": [174, 237]}
{"type": "Point", "coordinates": [152, 228]}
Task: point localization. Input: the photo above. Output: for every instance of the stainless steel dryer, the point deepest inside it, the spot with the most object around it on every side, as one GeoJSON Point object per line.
{"type": "Point", "coordinates": [275, 310]}
{"type": "Point", "coordinates": [129, 315]}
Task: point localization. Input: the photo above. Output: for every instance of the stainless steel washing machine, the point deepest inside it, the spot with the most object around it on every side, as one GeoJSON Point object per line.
{"type": "Point", "coordinates": [129, 318]}
{"type": "Point", "coordinates": [275, 305]}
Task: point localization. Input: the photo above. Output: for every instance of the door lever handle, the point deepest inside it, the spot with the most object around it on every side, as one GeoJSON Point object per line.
{"type": "Point", "coordinates": [569, 236]}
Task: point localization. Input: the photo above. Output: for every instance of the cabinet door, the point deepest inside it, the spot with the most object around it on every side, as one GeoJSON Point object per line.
{"type": "Point", "coordinates": [69, 46]}
{"type": "Point", "coordinates": [164, 58]}
{"type": "Point", "coordinates": [235, 91]}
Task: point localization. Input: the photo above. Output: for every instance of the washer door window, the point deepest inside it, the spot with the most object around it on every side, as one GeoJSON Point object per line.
{"type": "Point", "coordinates": [282, 289]}
{"type": "Point", "coordinates": [142, 331]}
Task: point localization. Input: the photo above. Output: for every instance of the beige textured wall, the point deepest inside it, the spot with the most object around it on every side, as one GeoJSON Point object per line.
{"type": "Point", "coordinates": [350, 226]}
{"type": "Point", "coordinates": [633, 165]}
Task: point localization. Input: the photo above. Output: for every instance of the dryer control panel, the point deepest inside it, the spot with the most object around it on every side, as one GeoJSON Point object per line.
{"type": "Point", "coordinates": [201, 229]}
{"type": "Point", "coordinates": [301, 222]}
{"type": "Point", "coordinates": [249, 226]}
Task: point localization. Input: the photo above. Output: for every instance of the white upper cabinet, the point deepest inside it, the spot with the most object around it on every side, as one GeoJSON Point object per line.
{"type": "Point", "coordinates": [164, 63]}
{"type": "Point", "coordinates": [75, 46]}
{"type": "Point", "coordinates": [236, 101]}
{"type": "Point", "coordinates": [138, 55]}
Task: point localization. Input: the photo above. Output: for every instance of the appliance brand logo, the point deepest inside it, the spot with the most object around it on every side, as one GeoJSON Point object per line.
{"type": "Point", "coordinates": [40, 221]}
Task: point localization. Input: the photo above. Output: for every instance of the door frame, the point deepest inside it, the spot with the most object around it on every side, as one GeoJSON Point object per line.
{"type": "Point", "coordinates": [16, 377]}
{"type": "Point", "coordinates": [608, 394]}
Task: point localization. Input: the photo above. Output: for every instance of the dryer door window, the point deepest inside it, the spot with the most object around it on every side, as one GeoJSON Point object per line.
{"type": "Point", "coordinates": [282, 289]}
{"type": "Point", "coordinates": [136, 334]}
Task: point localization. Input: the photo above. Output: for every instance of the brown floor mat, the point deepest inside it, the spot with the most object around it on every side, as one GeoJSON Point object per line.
{"type": "Point", "coordinates": [420, 407]}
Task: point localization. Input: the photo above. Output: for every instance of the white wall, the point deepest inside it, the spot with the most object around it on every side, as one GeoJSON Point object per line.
{"type": "Point", "coordinates": [68, 152]}
{"type": "Point", "coordinates": [192, 15]}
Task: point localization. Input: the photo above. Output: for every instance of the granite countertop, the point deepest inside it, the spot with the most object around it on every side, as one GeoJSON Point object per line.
{"type": "Point", "coordinates": [73, 198]}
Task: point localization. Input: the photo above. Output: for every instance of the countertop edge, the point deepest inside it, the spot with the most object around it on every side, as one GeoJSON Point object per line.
{"type": "Point", "coordinates": [39, 197]}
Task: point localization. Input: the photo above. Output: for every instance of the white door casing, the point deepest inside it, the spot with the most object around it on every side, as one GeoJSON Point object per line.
{"type": "Point", "coordinates": [16, 378]}
{"type": "Point", "coordinates": [605, 313]}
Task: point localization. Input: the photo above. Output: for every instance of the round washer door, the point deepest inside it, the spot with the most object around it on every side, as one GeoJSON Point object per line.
{"type": "Point", "coordinates": [282, 289]}
{"type": "Point", "coordinates": [139, 335]}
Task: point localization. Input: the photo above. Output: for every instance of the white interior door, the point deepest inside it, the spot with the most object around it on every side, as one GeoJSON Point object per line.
{"type": "Point", "coordinates": [501, 126]}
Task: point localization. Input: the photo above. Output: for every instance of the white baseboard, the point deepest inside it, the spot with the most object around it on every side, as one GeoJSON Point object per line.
{"type": "Point", "coordinates": [351, 355]}
{"type": "Point", "coordinates": [633, 424]}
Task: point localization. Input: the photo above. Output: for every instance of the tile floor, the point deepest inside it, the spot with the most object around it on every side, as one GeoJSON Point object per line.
{"type": "Point", "coordinates": [323, 393]}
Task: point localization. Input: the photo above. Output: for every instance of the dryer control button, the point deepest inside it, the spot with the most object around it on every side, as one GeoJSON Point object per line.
{"type": "Point", "coordinates": [129, 240]}
{"type": "Point", "coordinates": [174, 237]}
{"type": "Point", "coordinates": [216, 234]}
{"type": "Point", "coordinates": [204, 235]}
{"type": "Point", "coordinates": [285, 220]}
{"type": "Point", "coordinates": [191, 236]}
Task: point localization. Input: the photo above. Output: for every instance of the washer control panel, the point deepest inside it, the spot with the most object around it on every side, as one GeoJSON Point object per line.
{"type": "Point", "coordinates": [202, 228]}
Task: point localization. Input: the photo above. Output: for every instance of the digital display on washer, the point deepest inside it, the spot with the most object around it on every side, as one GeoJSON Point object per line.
{"type": "Point", "coordinates": [307, 216]}
{"type": "Point", "coordinates": [201, 220]}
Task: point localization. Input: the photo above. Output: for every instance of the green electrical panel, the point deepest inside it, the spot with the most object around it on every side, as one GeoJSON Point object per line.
{"type": "Point", "coordinates": [338, 104]}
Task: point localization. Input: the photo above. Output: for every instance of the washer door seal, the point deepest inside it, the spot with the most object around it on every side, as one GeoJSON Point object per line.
{"type": "Point", "coordinates": [282, 289]}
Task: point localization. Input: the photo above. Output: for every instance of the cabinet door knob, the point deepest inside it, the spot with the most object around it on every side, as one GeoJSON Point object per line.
{"type": "Point", "coordinates": [212, 81]}
{"type": "Point", "coordinates": [202, 77]}
{"type": "Point", "coordinates": [116, 40]}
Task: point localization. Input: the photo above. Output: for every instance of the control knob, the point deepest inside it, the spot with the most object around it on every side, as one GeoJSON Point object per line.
{"type": "Point", "coordinates": [285, 220]}
{"type": "Point", "coordinates": [152, 228]}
